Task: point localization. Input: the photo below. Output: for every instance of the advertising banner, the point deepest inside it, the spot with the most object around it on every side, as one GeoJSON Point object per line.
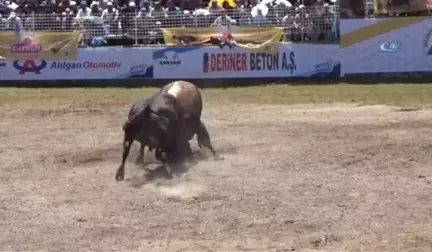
{"type": "Point", "coordinates": [255, 38]}
{"type": "Point", "coordinates": [386, 45]}
{"type": "Point", "coordinates": [94, 63]}
{"type": "Point", "coordinates": [20, 44]}
{"type": "Point", "coordinates": [291, 60]}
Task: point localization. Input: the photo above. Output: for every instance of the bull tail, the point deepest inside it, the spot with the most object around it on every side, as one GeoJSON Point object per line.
{"type": "Point", "coordinates": [203, 138]}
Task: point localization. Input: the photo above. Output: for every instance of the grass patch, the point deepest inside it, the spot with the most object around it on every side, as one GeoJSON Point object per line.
{"type": "Point", "coordinates": [391, 94]}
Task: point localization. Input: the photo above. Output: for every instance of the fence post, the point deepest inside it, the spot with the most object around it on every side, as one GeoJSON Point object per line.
{"type": "Point", "coordinates": [33, 22]}
{"type": "Point", "coordinates": [136, 27]}
{"type": "Point", "coordinates": [302, 28]}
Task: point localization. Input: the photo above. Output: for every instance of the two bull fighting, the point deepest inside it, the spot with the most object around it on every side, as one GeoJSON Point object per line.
{"type": "Point", "coordinates": [166, 122]}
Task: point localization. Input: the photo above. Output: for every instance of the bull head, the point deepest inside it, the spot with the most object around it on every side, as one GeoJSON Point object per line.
{"type": "Point", "coordinates": [153, 124]}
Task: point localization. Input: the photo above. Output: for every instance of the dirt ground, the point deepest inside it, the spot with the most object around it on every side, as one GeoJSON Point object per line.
{"type": "Point", "coordinates": [300, 177]}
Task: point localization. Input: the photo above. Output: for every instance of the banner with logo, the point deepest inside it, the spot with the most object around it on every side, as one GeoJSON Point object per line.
{"type": "Point", "coordinates": [385, 45]}
{"type": "Point", "coordinates": [21, 44]}
{"type": "Point", "coordinates": [291, 60]}
{"type": "Point", "coordinates": [255, 38]}
{"type": "Point", "coordinates": [91, 63]}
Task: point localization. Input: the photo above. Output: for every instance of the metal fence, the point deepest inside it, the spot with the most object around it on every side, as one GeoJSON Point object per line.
{"type": "Point", "coordinates": [302, 24]}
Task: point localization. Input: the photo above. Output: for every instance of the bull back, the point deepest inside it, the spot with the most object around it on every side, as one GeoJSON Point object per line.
{"type": "Point", "coordinates": [187, 95]}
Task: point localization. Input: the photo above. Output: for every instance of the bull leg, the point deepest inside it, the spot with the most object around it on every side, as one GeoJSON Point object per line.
{"type": "Point", "coordinates": [159, 155]}
{"type": "Point", "coordinates": [121, 170]}
{"type": "Point", "coordinates": [188, 154]}
{"type": "Point", "coordinates": [203, 139]}
{"type": "Point", "coordinates": [140, 158]}
{"type": "Point", "coordinates": [168, 160]}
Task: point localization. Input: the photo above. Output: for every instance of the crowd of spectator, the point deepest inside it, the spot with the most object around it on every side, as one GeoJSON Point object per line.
{"type": "Point", "coordinates": [304, 20]}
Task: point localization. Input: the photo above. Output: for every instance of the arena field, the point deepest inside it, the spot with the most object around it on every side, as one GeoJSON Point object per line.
{"type": "Point", "coordinates": [306, 168]}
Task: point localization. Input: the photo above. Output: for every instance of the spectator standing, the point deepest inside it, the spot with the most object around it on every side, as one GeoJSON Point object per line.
{"type": "Point", "coordinates": [156, 35]}
{"type": "Point", "coordinates": [188, 20]}
{"type": "Point", "coordinates": [203, 9]}
{"type": "Point", "coordinates": [67, 19]}
{"type": "Point", "coordinates": [144, 24]}
{"type": "Point", "coordinates": [321, 21]}
{"type": "Point", "coordinates": [96, 10]}
{"type": "Point", "coordinates": [103, 4]}
{"type": "Point", "coordinates": [110, 18]}
{"type": "Point", "coordinates": [3, 23]}
{"type": "Point", "coordinates": [172, 9]}
{"type": "Point", "coordinates": [144, 5]}
{"type": "Point", "coordinates": [14, 22]}
{"type": "Point", "coordinates": [73, 6]}
{"type": "Point", "coordinates": [158, 12]}
{"type": "Point", "coordinates": [127, 13]}
{"type": "Point", "coordinates": [245, 18]}
{"type": "Point", "coordinates": [260, 19]}
{"type": "Point", "coordinates": [83, 11]}
{"type": "Point", "coordinates": [174, 15]}
{"type": "Point", "coordinates": [223, 19]}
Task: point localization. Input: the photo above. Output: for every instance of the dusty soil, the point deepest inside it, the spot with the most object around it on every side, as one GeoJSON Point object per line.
{"type": "Point", "coordinates": [310, 177]}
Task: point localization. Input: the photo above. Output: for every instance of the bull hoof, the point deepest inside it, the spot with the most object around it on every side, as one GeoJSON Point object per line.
{"type": "Point", "coordinates": [119, 177]}
{"type": "Point", "coordinates": [218, 158]}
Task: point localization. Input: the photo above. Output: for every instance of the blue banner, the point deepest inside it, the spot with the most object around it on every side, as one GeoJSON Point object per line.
{"type": "Point", "coordinates": [386, 45]}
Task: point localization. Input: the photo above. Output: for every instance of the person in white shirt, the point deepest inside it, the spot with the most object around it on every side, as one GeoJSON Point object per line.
{"type": "Point", "coordinates": [2, 23]}
{"type": "Point", "coordinates": [158, 12]}
{"type": "Point", "coordinates": [223, 19]}
{"type": "Point", "coordinates": [83, 11]}
{"type": "Point", "coordinates": [225, 22]}
{"type": "Point", "coordinates": [110, 16]}
{"type": "Point", "coordinates": [15, 23]}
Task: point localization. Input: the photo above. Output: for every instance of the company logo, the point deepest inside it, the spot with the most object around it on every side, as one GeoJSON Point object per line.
{"type": "Point", "coordinates": [67, 65]}
{"type": "Point", "coordinates": [427, 43]}
{"type": "Point", "coordinates": [206, 62]}
{"type": "Point", "coordinates": [27, 46]}
{"type": "Point", "coordinates": [243, 62]}
{"type": "Point", "coordinates": [29, 66]}
{"type": "Point", "coordinates": [325, 67]}
{"type": "Point", "coordinates": [139, 69]}
{"type": "Point", "coordinates": [170, 60]}
{"type": "Point", "coordinates": [391, 46]}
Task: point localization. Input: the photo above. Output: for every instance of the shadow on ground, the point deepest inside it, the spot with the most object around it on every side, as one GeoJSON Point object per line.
{"type": "Point", "coordinates": [161, 173]}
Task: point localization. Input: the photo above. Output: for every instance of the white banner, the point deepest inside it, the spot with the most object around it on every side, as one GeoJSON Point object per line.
{"type": "Point", "coordinates": [92, 63]}
{"type": "Point", "coordinates": [293, 60]}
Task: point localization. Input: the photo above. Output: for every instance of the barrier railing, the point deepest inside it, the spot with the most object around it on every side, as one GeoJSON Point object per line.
{"type": "Point", "coordinates": [304, 24]}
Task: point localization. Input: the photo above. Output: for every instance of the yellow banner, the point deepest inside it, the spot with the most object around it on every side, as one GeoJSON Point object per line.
{"type": "Point", "coordinates": [39, 45]}
{"type": "Point", "coordinates": [399, 6]}
{"type": "Point", "coordinates": [264, 39]}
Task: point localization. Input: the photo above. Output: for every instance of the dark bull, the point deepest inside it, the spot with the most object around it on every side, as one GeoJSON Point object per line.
{"type": "Point", "coordinates": [166, 122]}
{"type": "Point", "coordinates": [160, 124]}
